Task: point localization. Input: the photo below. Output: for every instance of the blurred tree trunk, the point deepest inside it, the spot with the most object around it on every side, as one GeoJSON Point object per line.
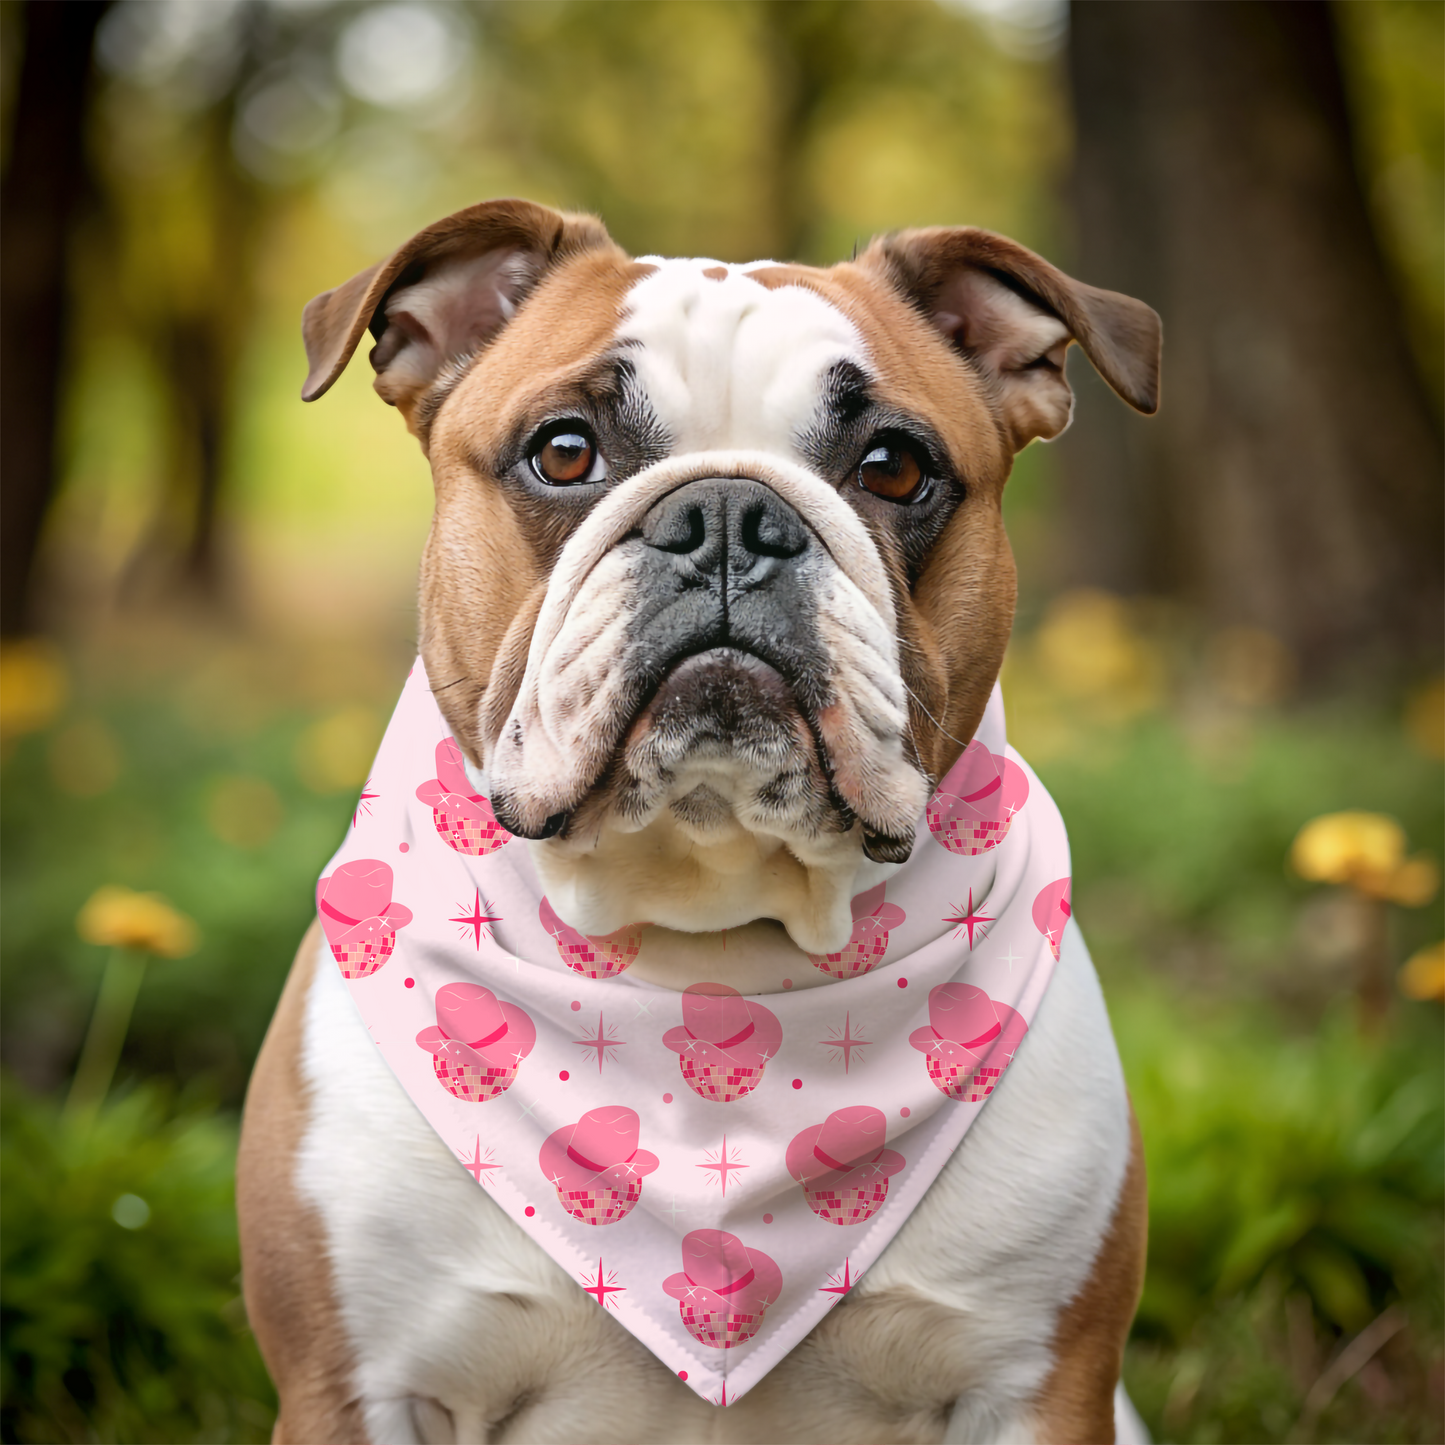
{"type": "Point", "coordinates": [196, 322]}
{"type": "Point", "coordinates": [1292, 480]}
{"type": "Point", "coordinates": [808, 50]}
{"type": "Point", "coordinates": [41, 195]}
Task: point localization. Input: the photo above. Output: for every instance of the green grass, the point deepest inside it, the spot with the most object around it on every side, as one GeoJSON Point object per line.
{"type": "Point", "coordinates": [120, 1310]}
{"type": "Point", "coordinates": [1295, 1195]}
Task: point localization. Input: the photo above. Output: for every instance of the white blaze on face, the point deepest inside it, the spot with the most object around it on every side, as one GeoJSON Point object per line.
{"type": "Point", "coordinates": [730, 363]}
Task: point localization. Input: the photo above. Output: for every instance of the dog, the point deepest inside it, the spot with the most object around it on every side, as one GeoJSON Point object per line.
{"type": "Point", "coordinates": [745, 742]}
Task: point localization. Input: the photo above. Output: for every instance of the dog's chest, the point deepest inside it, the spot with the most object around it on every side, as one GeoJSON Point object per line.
{"type": "Point", "coordinates": [447, 1303]}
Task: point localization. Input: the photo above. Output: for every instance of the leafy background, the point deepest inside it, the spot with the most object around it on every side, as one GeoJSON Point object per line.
{"type": "Point", "coordinates": [208, 741]}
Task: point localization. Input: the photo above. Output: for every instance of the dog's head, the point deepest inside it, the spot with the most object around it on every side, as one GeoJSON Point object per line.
{"type": "Point", "coordinates": [717, 586]}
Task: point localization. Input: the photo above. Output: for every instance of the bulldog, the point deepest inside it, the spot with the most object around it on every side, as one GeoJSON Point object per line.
{"type": "Point", "coordinates": [716, 594]}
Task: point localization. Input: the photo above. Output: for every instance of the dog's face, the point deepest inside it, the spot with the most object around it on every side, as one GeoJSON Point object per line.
{"type": "Point", "coordinates": [717, 586]}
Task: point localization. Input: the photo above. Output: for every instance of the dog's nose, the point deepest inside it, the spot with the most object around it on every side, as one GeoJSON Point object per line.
{"type": "Point", "coordinates": [726, 527]}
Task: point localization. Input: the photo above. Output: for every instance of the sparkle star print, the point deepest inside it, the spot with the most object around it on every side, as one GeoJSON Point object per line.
{"type": "Point", "coordinates": [716, 1168]}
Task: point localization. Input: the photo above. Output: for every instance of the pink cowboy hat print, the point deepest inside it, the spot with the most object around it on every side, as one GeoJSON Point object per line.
{"type": "Point", "coordinates": [843, 1165]}
{"type": "Point", "coordinates": [969, 1041]}
{"type": "Point", "coordinates": [1052, 911]}
{"type": "Point", "coordinates": [595, 1165]}
{"type": "Point", "coordinates": [477, 1042]}
{"type": "Point", "coordinates": [975, 804]}
{"type": "Point", "coordinates": [592, 956]}
{"type": "Point", "coordinates": [724, 1042]}
{"type": "Point", "coordinates": [359, 916]}
{"type": "Point", "coordinates": [724, 1288]}
{"type": "Point", "coordinates": [872, 918]}
{"type": "Point", "coordinates": [462, 816]}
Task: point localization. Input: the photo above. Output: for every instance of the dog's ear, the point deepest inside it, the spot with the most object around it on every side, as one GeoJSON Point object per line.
{"type": "Point", "coordinates": [441, 296]}
{"type": "Point", "coordinates": [1014, 315]}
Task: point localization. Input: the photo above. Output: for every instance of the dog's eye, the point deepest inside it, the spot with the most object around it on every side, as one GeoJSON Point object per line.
{"type": "Point", "coordinates": [567, 457]}
{"type": "Point", "coordinates": [891, 470]}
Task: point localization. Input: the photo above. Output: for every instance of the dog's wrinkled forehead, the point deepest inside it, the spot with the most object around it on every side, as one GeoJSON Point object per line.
{"type": "Point", "coordinates": [728, 360]}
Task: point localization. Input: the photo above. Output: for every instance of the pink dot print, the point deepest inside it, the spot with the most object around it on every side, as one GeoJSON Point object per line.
{"type": "Point", "coordinates": [968, 1042]}
{"type": "Point", "coordinates": [873, 917]}
{"type": "Point", "coordinates": [592, 955]}
{"type": "Point", "coordinates": [1052, 911]}
{"type": "Point", "coordinates": [359, 916]}
{"type": "Point", "coordinates": [477, 1043]}
{"type": "Point", "coordinates": [975, 804]}
{"type": "Point", "coordinates": [844, 1164]}
{"type": "Point", "coordinates": [463, 818]}
{"type": "Point", "coordinates": [723, 1289]}
{"type": "Point", "coordinates": [724, 1041]}
{"type": "Point", "coordinates": [595, 1164]}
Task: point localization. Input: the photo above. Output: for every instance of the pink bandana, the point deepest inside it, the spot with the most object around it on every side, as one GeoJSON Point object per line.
{"type": "Point", "coordinates": [717, 1169]}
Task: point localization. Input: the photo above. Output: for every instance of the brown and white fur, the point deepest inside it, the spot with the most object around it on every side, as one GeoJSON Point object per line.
{"type": "Point", "coordinates": [714, 682]}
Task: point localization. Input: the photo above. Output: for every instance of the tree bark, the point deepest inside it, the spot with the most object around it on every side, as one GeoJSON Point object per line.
{"type": "Point", "coordinates": [1292, 480]}
{"type": "Point", "coordinates": [40, 197]}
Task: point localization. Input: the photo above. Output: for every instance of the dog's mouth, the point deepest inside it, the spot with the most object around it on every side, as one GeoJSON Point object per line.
{"type": "Point", "coordinates": [724, 733]}
{"type": "Point", "coordinates": [726, 738]}
{"type": "Point", "coordinates": [722, 704]}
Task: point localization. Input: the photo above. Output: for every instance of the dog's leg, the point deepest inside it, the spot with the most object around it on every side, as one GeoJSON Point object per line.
{"type": "Point", "coordinates": [1077, 1401]}
{"type": "Point", "coordinates": [286, 1273]}
{"type": "Point", "coordinates": [1078, 1404]}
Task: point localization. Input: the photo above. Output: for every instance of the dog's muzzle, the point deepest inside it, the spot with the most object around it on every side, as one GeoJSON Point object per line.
{"type": "Point", "coordinates": [721, 644]}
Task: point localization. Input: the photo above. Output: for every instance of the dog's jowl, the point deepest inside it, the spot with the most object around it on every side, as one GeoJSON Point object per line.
{"type": "Point", "coordinates": [695, 1042]}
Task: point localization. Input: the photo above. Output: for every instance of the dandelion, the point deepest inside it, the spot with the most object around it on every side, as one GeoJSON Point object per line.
{"type": "Point", "coordinates": [1364, 853]}
{"type": "Point", "coordinates": [115, 917]}
{"type": "Point", "coordinates": [135, 927]}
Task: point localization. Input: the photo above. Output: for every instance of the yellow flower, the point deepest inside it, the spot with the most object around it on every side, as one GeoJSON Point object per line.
{"type": "Point", "coordinates": [1423, 976]}
{"type": "Point", "coordinates": [32, 686]}
{"type": "Point", "coordinates": [1341, 847]}
{"type": "Point", "coordinates": [1367, 852]}
{"type": "Point", "coordinates": [120, 918]}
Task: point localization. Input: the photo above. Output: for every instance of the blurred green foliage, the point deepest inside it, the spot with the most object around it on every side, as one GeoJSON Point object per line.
{"type": "Point", "coordinates": [1332, 1170]}
{"type": "Point", "coordinates": [120, 1312]}
{"type": "Point", "coordinates": [1180, 830]}
{"type": "Point", "coordinates": [1295, 1192]}
{"type": "Point", "coordinates": [193, 787]}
